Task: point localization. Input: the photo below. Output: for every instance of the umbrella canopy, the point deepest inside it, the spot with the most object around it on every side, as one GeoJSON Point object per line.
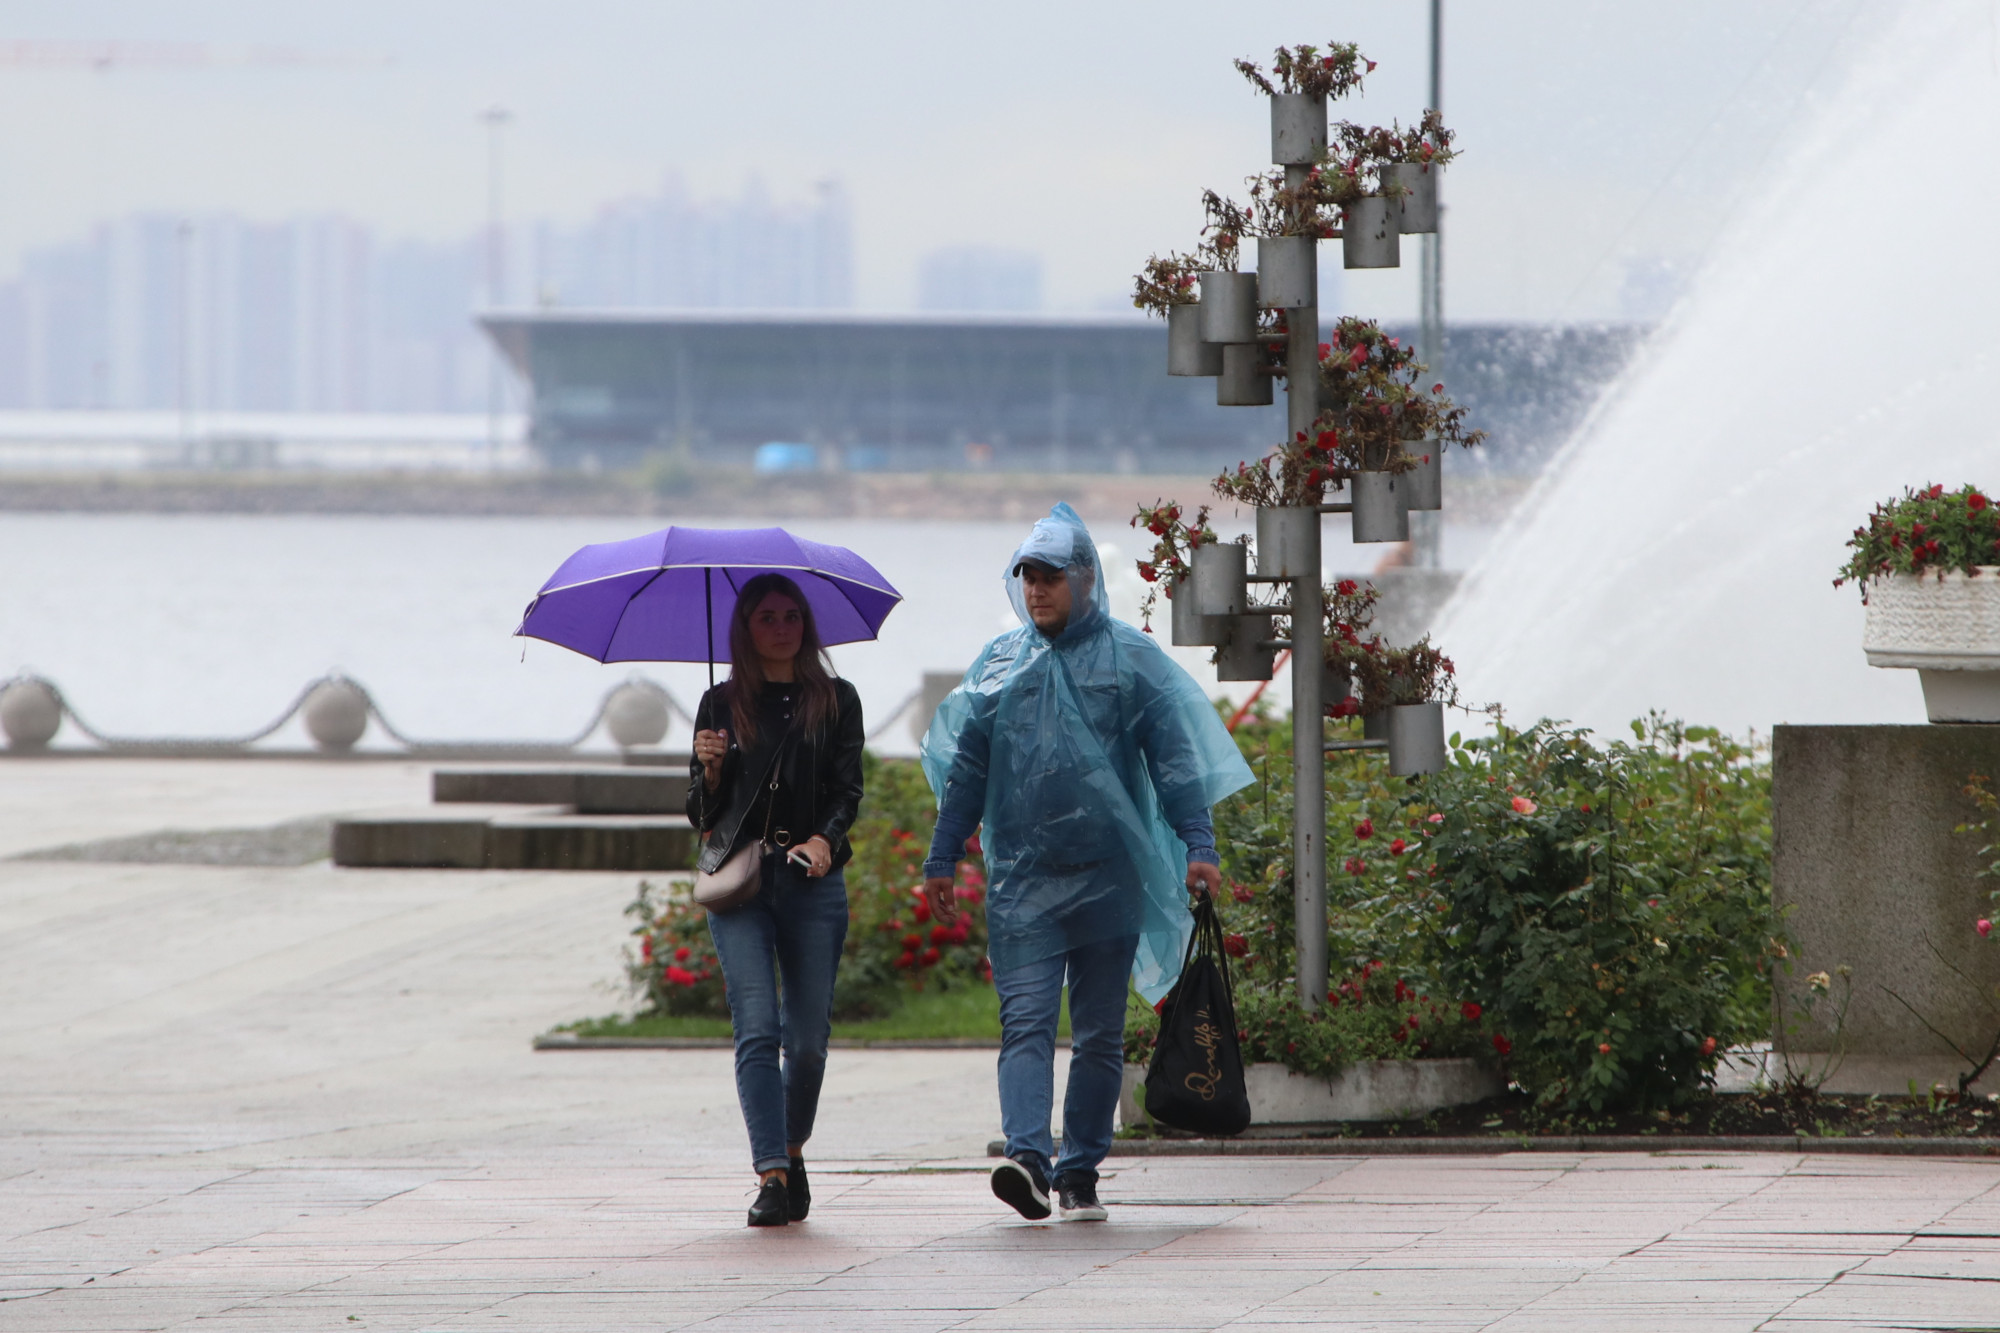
{"type": "Point", "coordinates": [668, 596]}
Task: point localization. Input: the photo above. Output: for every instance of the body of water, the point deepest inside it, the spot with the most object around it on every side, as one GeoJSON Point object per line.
{"type": "Point", "coordinates": [209, 625]}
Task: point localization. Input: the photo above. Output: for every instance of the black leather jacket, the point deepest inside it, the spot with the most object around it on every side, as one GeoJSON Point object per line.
{"type": "Point", "coordinates": [819, 782]}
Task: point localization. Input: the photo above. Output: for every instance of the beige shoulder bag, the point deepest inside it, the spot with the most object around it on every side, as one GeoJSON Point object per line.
{"type": "Point", "coordinates": [737, 880]}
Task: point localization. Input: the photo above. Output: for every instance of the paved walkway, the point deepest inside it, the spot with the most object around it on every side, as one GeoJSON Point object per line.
{"type": "Point", "coordinates": [298, 1099]}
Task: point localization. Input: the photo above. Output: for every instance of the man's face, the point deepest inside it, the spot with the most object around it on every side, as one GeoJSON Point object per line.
{"type": "Point", "coordinates": [1046, 592]}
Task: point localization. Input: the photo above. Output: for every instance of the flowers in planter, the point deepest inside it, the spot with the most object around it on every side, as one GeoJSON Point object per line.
{"type": "Point", "coordinates": [1332, 73]}
{"type": "Point", "coordinates": [1170, 280]}
{"type": "Point", "coordinates": [1298, 473]}
{"type": "Point", "coordinates": [1172, 550]}
{"type": "Point", "coordinates": [1390, 677]}
{"type": "Point", "coordinates": [1427, 142]}
{"type": "Point", "coordinates": [1372, 399]}
{"type": "Point", "coordinates": [1926, 530]}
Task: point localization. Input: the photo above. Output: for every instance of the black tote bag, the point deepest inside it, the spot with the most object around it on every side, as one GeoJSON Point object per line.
{"type": "Point", "coordinates": [1195, 1082]}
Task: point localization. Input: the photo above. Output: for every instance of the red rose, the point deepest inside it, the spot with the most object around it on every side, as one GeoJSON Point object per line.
{"type": "Point", "coordinates": [1235, 945]}
{"type": "Point", "coordinates": [1934, 492]}
{"type": "Point", "coordinates": [646, 947]}
{"type": "Point", "coordinates": [1242, 893]}
{"type": "Point", "coordinates": [907, 960]}
{"type": "Point", "coordinates": [1396, 847]}
{"type": "Point", "coordinates": [1355, 866]}
{"type": "Point", "coordinates": [940, 934]}
{"type": "Point", "coordinates": [912, 940]}
{"type": "Point", "coordinates": [1604, 1048]}
{"type": "Point", "coordinates": [931, 956]}
{"type": "Point", "coordinates": [1502, 1045]}
{"type": "Point", "coordinates": [1708, 1046]}
{"type": "Point", "coordinates": [922, 911]}
{"type": "Point", "coordinates": [1365, 829]}
{"type": "Point", "coordinates": [1346, 587]}
{"type": "Point", "coordinates": [1148, 573]}
{"type": "Point", "coordinates": [1471, 1011]}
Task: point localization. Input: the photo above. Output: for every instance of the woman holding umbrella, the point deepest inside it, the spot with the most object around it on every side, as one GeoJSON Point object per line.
{"type": "Point", "coordinates": [777, 758]}
{"type": "Point", "coordinates": [777, 761]}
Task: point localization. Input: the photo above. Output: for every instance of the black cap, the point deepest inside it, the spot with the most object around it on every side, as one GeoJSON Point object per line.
{"type": "Point", "coordinates": [1038, 564]}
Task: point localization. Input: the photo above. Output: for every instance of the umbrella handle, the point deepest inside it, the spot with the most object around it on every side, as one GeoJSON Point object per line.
{"type": "Point", "coordinates": [708, 618]}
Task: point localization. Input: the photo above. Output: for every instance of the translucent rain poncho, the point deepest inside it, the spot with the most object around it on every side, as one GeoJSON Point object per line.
{"type": "Point", "coordinates": [1093, 747]}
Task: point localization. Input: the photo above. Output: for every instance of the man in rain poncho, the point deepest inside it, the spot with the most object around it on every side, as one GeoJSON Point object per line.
{"type": "Point", "coordinates": [1093, 761]}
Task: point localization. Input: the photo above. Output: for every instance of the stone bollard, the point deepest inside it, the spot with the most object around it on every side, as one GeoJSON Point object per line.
{"type": "Point", "coordinates": [636, 714]}
{"type": "Point", "coordinates": [937, 684]}
{"type": "Point", "coordinates": [336, 714]}
{"type": "Point", "coordinates": [30, 713]}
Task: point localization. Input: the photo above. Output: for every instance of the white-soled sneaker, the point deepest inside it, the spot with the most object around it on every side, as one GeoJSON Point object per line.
{"type": "Point", "coordinates": [1078, 1203]}
{"type": "Point", "coordinates": [1022, 1187]}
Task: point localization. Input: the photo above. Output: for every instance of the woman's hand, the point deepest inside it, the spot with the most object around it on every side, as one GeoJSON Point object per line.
{"type": "Point", "coordinates": [821, 853]}
{"type": "Point", "coordinates": [711, 747]}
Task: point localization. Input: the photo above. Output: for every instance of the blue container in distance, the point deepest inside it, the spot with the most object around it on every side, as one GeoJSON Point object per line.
{"type": "Point", "coordinates": [865, 458]}
{"type": "Point", "coordinates": [786, 458]}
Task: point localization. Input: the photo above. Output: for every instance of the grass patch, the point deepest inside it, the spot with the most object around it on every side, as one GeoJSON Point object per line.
{"type": "Point", "coordinates": [964, 1013]}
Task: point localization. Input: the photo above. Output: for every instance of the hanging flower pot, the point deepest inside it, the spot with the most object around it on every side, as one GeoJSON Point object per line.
{"type": "Point", "coordinates": [1246, 654]}
{"type": "Point", "coordinates": [1424, 484]}
{"type": "Point", "coordinates": [1288, 542]}
{"type": "Point", "coordinates": [1190, 628]}
{"type": "Point", "coordinates": [1336, 679]}
{"type": "Point", "coordinates": [1287, 272]}
{"type": "Point", "coordinates": [1220, 579]}
{"type": "Point", "coordinates": [1245, 381]}
{"type": "Point", "coordinates": [1417, 210]}
{"type": "Point", "coordinates": [1368, 235]}
{"type": "Point", "coordinates": [1229, 308]}
{"type": "Point", "coordinates": [1298, 128]}
{"type": "Point", "coordinates": [1947, 626]}
{"type": "Point", "coordinates": [1381, 510]}
{"type": "Point", "coordinates": [1416, 738]}
{"type": "Point", "coordinates": [1187, 354]}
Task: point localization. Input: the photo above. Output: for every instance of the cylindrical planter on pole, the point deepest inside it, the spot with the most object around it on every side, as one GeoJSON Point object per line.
{"type": "Point", "coordinates": [1424, 486]}
{"type": "Point", "coordinates": [1336, 679]}
{"type": "Point", "coordinates": [1287, 542]}
{"type": "Point", "coordinates": [1287, 272]}
{"type": "Point", "coordinates": [1220, 579]}
{"type": "Point", "coordinates": [1245, 381]}
{"type": "Point", "coordinates": [1189, 627]}
{"type": "Point", "coordinates": [1298, 128]}
{"type": "Point", "coordinates": [1187, 354]}
{"type": "Point", "coordinates": [1245, 653]}
{"type": "Point", "coordinates": [1418, 207]}
{"type": "Point", "coordinates": [1229, 308]}
{"type": "Point", "coordinates": [1416, 739]}
{"type": "Point", "coordinates": [1368, 236]}
{"type": "Point", "coordinates": [1381, 513]}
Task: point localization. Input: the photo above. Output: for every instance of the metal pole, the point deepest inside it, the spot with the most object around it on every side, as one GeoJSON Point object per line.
{"type": "Point", "coordinates": [1308, 727]}
{"type": "Point", "coordinates": [1427, 527]}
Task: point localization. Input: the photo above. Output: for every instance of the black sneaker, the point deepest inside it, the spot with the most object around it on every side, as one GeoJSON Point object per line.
{"type": "Point", "coordinates": [772, 1208]}
{"type": "Point", "coordinates": [798, 1194]}
{"type": "Point", "coordinates": [1022, 1186]}
{"type": "Point", "coordinates": [1078, 1203]}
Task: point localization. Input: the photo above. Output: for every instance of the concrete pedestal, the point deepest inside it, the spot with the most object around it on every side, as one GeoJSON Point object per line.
{"type": "Point", "coordinates": [1868, 872]}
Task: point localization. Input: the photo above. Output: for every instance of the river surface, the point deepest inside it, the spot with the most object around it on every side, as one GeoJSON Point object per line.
{"type": "Point", "coordinates": [209, 625]}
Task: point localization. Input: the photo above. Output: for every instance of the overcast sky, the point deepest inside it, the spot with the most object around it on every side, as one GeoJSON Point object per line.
{"type": "Point", "coordinates": [1602, 138]}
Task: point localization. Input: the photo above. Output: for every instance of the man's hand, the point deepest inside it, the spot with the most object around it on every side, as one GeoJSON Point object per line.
{"type": "Point", "coordinates": [1204, 880]}
{"type": "Point", "coordinates": [939, 892]}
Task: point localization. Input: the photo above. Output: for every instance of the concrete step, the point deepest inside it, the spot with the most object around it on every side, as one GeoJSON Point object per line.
{"type": "Point", "coordinates": [451, 837]}
{"type": "Point", "coordinates": [590, 842]}
{"type": "Point", "coordinates": [591, 791]}
{"type": "Point", "coordinates": [489, 836]}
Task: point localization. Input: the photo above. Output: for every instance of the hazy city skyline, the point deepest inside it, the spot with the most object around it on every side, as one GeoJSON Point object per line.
{"type": "Point", "coordinates": [1602, 142]}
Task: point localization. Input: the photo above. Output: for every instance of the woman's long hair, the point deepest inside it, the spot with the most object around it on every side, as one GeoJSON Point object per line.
{"type": "Point", "coordinates": [812, 669]}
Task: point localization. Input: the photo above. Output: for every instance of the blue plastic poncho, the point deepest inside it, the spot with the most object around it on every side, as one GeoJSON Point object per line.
{"type": "Point", "coordinates": [1092, 748]}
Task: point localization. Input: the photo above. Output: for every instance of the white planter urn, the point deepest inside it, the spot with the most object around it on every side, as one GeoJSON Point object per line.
{"type": "Point", "coordinates": [1948, 630]}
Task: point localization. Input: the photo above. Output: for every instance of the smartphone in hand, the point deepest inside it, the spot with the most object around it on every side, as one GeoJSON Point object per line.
{"type": "Point", "coordinates": [800, 857]}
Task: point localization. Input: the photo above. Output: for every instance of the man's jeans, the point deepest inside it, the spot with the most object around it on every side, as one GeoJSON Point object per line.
{"type": "Point", "coordinates": [793, 928]}
{"type": "Point", "coordinates": [1099, 976]}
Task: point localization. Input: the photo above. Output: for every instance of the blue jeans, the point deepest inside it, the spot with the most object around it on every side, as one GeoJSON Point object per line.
{"type": "Point", "coordinates": [1030, 997]}
{"type": "Point", "coordinates": [793, 929]}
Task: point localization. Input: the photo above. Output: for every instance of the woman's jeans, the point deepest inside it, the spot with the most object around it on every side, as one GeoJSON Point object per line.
{"type": "Point", "coordinates": [1030, 997]}
{"type": "Point", "coordinates": [794, 929]}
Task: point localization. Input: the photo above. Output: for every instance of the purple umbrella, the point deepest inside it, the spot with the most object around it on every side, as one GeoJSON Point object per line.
{"type": "Point", "coordinates": [662, 597]}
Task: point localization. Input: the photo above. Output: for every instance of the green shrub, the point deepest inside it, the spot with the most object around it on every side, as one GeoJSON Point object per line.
{"type": "Point", "coordinates": [1608, 906]}
{"type": "Point", "coordinates": [893, 946]}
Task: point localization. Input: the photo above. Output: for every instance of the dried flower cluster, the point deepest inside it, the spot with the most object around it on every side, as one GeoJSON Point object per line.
{"type": "Point", "coordinates": [1334, 72]}
{"type": "Point", "coordinates": [1372, 399]}
{"type": "Point", "coordinates": [1172, 551]}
